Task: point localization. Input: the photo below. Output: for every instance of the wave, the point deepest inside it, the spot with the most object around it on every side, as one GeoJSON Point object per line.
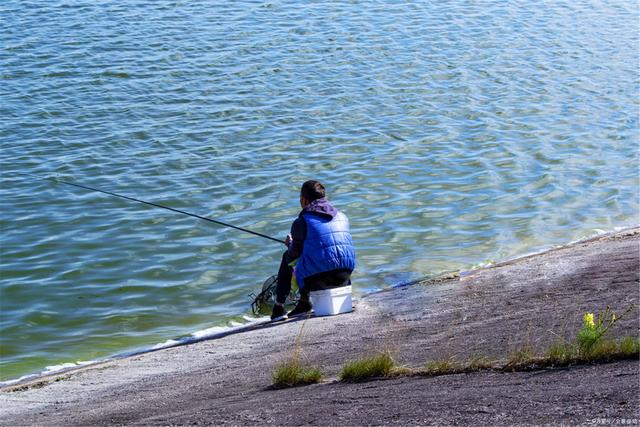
{"type": "Point", "coordinates": [197, 336]}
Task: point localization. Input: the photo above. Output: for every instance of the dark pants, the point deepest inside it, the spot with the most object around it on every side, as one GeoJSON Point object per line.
{"type": "Point", "coordinates": [327, 280]}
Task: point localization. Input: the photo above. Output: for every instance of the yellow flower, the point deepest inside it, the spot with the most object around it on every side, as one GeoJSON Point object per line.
{"type": "Point", "coordinates": [613, 317]}
{"type": "Point", "coordinates": [588, 320]}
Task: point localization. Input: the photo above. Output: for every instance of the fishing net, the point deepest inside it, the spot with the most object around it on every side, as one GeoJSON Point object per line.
{"type": "Point", "coordinates": [263, 301]}
{"type": "Point", "coordinates": [266, 297]}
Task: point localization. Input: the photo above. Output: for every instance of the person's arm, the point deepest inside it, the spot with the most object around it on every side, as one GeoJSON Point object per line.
{"type": "Point", "coordinates": [298, 234]}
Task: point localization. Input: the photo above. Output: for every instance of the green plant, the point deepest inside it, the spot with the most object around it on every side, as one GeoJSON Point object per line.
{"type": "Point", "coordinates": [592, 331]}
{"type": "Point", "coordinates": [292, 373]}
{"type": "Point", "coordinates": [560, 353]}
{"type": "Point", "coordinates": [378, 365]}
{"type": "Point", "coordinates": [629, 346]}
{"type": "Point", "coordinates": [519, 358]}
{"type": "Point", "coordinates": [603, 350]}
{"type": "Point", "coordinates": [479, 362]}
{"type": "Point", "coordinates": [522, 356]}
{"type": "Point", "coordinates": [442, 366]}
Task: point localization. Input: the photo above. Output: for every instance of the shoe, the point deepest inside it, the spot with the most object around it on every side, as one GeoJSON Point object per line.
{"type": "Point", "coordinates": [302, 307]}
{"type": "Point", "coordinates": [278, 312]}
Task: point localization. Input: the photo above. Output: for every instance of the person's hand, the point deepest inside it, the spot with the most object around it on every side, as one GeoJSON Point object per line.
{"type": "Point", "coordinates": [288, 240]}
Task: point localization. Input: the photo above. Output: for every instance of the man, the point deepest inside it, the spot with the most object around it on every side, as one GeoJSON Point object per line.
{"type": "Point", "coordinates": [321, 243]}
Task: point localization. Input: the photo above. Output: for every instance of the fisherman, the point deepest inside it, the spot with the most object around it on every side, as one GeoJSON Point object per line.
{"type": "Point", "coordinates": [319, 246]}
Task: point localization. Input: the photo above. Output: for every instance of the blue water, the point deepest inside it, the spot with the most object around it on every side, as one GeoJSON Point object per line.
{"type": "Point", "coordinates": [451, 133]}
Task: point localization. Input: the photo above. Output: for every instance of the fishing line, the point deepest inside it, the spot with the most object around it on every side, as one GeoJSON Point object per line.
{"type": "Point", "coordinates": [157, 205]}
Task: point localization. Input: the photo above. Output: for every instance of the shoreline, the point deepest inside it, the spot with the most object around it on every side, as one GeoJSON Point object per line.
{"type": "Point", "coordinates": [222, 331]}
{"type": "Point", "coordinates": [490, 310]}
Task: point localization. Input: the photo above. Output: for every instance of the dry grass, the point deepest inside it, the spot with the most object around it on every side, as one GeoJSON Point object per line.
{"type": "Point", "coordinates": [442, 367]}
{"type": "Point", "coordinates": [520, 359]}
{"type": "Point", "coordinates": [480, 363]}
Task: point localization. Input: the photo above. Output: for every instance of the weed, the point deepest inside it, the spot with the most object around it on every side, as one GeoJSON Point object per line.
{"type": "Point", "coordinates": [603, 350]}
{"type": "Point", "coordinates": [378, 365]}
{"type": "Point", "coordinates": [292, 373]}
{"type": "Point", "coordinates": [592, 331]}
{"type": "Point", "coordinates": [479, 363]}
{"type": "Point", "coordinates": [520, 358]}
{"type": "Point", "coordinates": [401, 371]}
{"type": "Point", "coordinates": [629, 347]}
{"type": "Point", "coordinates": [560, 353]}
{"type": "Point", "coordinates": [589, 346]}
{"type": "Point", "coordinates": [442, 366]}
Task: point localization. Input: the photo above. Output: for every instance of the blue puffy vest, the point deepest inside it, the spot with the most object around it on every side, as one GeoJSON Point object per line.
{"type": "Point", "coordinates": [328, 246]}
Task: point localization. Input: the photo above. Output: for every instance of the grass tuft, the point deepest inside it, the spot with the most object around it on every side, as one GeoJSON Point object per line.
{"type": "Point", "coordinates": [589, 346]}
{"type": "Point", "coordinates": [602, 350]}
{"type": "Point", "coordinates": [293, 373]}
{"type": "Point", "coordinates": [629, 347]}
{"type": "Point", "coordinates": [520, 359]}
{"type": "Point", "coordinates": [479, 363]}
{"type": "Point", "coordinates": [401, 371]}
{"type": "Point", "coordinates": [560, 353]}
{"type": "Point", "coordinates": [379, 365]}
{"type": "Point", "coordinates": [442, 366]}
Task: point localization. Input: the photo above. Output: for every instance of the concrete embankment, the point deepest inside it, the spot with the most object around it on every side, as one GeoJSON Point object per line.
{"type": "Point", "coordinates": [531, 301]}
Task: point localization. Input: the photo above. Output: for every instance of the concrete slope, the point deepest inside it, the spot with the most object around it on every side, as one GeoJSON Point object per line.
{"type": "Point", "coordinates": [528, 302]}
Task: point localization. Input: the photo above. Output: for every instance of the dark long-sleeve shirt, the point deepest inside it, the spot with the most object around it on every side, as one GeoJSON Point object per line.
{"type": "Point", "coordinates": [298, 234]}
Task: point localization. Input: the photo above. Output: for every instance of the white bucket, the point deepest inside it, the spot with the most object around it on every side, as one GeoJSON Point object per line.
{"type": "Point", "coordinates": [328, 302]}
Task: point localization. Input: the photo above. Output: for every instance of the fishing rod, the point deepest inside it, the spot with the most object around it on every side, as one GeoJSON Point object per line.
{"type": "Point", "coordinates": [157, 205]}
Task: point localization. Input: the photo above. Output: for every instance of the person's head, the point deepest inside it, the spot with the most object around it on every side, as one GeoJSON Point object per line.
{"type": "Point", "coordinates": [310, 191]}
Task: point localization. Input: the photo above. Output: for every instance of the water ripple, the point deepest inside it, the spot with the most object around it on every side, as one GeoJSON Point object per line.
{"type": "Point", "coordinates": [451, 133]}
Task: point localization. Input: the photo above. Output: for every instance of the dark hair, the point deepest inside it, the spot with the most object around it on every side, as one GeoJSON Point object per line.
{"type": "Point", "coordinates": [312, 190]}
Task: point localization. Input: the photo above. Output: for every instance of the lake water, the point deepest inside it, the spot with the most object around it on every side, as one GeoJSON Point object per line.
{"type": "Point", "coordinates": [451, 133]}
